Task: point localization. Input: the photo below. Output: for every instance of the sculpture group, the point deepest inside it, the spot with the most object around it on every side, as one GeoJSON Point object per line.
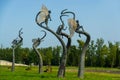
{"type": "Point", "coordinates": [42, 20]}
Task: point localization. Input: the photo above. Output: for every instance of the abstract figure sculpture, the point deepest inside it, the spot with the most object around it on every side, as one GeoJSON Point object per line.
{"type": "Point", "coordinates": [82, 55]}
{"type": "Point", "coordinates": [16, 43]}
{"type": "Point", "coordinates": [36, 43]}
{"type": "Point", "coordinates": [75, 27]}
{"type": "Point", "coordinates": [72, 23]}
{"type": "Point", "coordinates": [61, 27]}
{"type": "Point", "coordinates": [61, 71]}
{"type": "Point", "coordinates": [44, 15]}
{"type": "Point", "coordinates": [39, 23]}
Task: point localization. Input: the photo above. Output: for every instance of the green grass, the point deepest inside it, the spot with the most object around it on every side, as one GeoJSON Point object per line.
{"type": "Point", "coordinates": [71, 74]}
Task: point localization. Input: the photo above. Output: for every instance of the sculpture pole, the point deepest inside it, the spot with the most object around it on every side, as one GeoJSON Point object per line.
{"type": "Point", "coordinates": [36, 43]}
{"type": "Point", "coordinates": [16, 43]}
{"type": "Point", "coordinates": [82, 56]}
{"type": "Point", "coordinates": [13, 61]}
{"type": "Point", "coordinates": [62, 67]}
{"type": "Point", "coordinates": [74, 24]}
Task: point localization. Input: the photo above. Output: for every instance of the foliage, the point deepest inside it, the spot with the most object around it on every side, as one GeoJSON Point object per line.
{"type": "Point", "coordinates": [99, 54]}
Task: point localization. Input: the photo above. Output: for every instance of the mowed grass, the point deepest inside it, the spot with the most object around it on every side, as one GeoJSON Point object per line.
{"type": "Point", "coordinates": [21, 73]}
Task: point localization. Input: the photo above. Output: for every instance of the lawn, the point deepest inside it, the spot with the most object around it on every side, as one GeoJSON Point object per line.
{"type": "Point", "coordinates": [21, 73]}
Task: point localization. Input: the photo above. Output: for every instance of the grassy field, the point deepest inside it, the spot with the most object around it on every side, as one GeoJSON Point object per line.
{"type": "Point", "coordinates": [21, 73]}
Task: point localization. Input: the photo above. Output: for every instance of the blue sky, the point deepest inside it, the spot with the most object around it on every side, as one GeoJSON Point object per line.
{"type": "Point", "coordinates": [100, 18]}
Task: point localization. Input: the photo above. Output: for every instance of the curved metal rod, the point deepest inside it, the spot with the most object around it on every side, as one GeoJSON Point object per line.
{"type": "Point", "coordinates": [61, 18]}
{"type": "Point", "coordinates": [64, 34]}
{"type": "Point", "coordinates": [43, 35]}
{"type": "Point", "coordinates": [37, 17]}
{"type": "Point", "coordinates": [70, 13]}
{"type": "Point", "coordinates": [20, 32]}
{"type": "Point", "coordinates": [61, 27]}
{"type": "Point", "coordinates": [62, 21]}
{"type": "Point", "coordinates": [63, 11]}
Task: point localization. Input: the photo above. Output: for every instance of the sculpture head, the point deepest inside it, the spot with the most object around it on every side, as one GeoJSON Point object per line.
{"type": "Point", "coordinates": [49, 12]}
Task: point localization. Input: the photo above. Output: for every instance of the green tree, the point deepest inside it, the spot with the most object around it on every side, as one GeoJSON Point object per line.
{"type": "Point", "coordinates": [24, 55]}
{"type": "Point", "coordinates": [6, 54]}
{"type": "Point", "coordinates": [112, 53]}
{"type": "Point", "coordinates": [104, 53]}
{"type": "Point", "coordinates": [47, 55]}
{"type": "Point", "coordinates": [99, 45]}
{"type": "Point", "coordinates": [32, 57]}
{"type": "Point", "coordinates": [91, 54]}
{"type": "Point", "coordinates": [56, 56]}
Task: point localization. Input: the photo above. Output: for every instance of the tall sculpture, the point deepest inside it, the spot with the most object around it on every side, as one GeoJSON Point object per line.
{"type": "Point", "coordinates": [82, 55]}
{"type": "Point", "coordinates": [16, 43]}
{"type": "Point", "coordinates": [61, 71]}
{"type": "Point", "coordinates": [74, 26]}
{"type": "Point", "coordinates": [40, 22]}
{"type": "Point", "coordinates": [36, 43]}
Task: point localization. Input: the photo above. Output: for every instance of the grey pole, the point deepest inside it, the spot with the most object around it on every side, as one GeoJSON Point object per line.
{"type": "Point", "coordinates": [13, 62]}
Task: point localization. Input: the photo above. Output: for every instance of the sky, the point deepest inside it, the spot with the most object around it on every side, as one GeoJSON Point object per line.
{"type": "Point", "coordinates": [100, 18]}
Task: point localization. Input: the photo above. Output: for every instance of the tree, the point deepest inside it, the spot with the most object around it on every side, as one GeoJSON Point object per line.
{"type": "Point", "coordinates": [99, 45]}
{"type": "Point", "coordinates": [48, 55]}
{"type": "Point", "coordinates": [117, 63]}
{"type": "Point", "coordinates": [112, 53]}
{"type": "Point", "coordinates": [33, 58]}
{"type": "Point", "coordinates": [56, 56]}
{"type": "Point", "coordinates": [73, 56]}
{"type": "Point", "coordinates": [25, 56]}
{"type": "Point", "coordinates": [104, 53]}
{"type": "Point", "coordinates": [91, 54]}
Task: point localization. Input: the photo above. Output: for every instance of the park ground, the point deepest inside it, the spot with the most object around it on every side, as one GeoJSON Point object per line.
{"type": "Point", "coordinates": [31, 73]}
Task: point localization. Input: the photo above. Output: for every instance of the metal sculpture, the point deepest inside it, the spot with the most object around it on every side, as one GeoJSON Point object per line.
{"type": "Point", "coordinates": [75, 27]}
{"type": "Point", "coordinates": [16, 43]}
{"type": "Point", "coordinates": [72, 23]}
{"type": "Point", "coordinates": [61, 27]}
{"type": "Point", "coordinates": [61, 71]}
{"type": "Point", "coordinates": [82, 55]}
{"type": "Point", "coordinates": [50, 30]}
{"type": "Point", "coordinates": [36, 43]}
{"type": "Point", "coordinates": [44, 15]}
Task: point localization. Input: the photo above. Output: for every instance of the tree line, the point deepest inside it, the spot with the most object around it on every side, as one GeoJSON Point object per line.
{"type": "Point", "coordinates": [99, 54]}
